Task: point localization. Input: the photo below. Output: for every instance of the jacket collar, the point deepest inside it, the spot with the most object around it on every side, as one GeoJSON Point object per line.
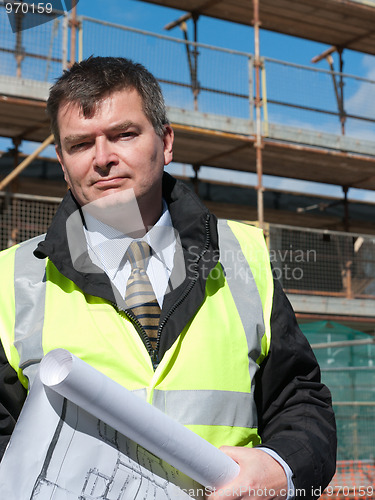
{"type": "Point", "coordinates": [65, 243]}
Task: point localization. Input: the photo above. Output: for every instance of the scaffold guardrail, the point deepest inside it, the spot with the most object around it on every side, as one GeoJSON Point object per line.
{"type": "Point", "coordinates": [208, 79]}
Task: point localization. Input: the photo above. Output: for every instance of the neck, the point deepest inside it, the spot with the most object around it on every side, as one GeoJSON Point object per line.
{"type": "Point", "coordinates": [150, 210]}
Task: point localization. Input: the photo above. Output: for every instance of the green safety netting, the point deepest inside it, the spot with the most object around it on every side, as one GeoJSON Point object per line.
{"type": "Point", "coordinates": [349, 372]}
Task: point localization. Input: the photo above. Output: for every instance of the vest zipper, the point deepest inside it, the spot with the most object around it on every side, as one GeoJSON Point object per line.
{"type": "Point", "coordinates": [154, 353]}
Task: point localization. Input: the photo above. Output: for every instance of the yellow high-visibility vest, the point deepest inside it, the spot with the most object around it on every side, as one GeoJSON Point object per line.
{"type": "Point", "coordinates": [205, 380]}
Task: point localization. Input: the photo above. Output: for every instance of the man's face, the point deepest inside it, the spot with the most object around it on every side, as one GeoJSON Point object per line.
{"type": "Point", "coordinates": [116, 149]}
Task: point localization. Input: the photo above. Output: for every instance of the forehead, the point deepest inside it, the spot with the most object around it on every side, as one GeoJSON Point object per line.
{"type": "Point", "coordinates": [120, 103]}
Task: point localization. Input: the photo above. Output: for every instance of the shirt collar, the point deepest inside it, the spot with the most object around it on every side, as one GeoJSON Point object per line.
{"type": "Point", "coordinates": [109, 245]}
{"type": "Point", "coordinates": [162, 238]}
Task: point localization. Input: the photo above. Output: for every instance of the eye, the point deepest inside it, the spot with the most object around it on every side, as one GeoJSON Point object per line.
{"type": "Point", "coordinates": [127, 135]}
{"type": "Point", "coordinates": [77, 147]}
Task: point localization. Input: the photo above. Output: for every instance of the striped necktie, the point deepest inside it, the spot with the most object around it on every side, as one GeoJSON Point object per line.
{"type": "Point", "coordinates": [140, 296]}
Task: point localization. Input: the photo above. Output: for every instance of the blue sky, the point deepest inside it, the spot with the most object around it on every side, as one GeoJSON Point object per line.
{"type": "Point", "coordinates": [137, 14]}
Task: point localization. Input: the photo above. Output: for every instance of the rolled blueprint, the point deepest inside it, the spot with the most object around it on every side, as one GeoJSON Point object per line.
{"type": "Point", "coordinates": [133, 417]}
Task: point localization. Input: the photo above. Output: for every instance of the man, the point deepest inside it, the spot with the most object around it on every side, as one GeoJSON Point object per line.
{"type": "Point", "coordinates": [223, 339]}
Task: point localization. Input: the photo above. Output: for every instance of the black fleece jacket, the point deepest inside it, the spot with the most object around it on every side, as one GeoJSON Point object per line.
{"type": "Point", "coordinates": [295, 416]}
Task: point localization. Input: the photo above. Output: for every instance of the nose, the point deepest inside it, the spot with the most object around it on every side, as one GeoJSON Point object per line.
{"type": "Point", "coordinates": [105, 157]}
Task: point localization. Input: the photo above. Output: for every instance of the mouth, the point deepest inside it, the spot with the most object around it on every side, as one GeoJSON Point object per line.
{"type": "Point", "coordinates": [109, 182]}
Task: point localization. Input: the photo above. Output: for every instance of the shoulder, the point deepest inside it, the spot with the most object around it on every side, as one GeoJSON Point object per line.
{"type": "Point", "coordinates": [24, 252]}
{"type": "Point", "coordinates": [247, 237]}
{"type": "Point", "coordinates": [243, 231]}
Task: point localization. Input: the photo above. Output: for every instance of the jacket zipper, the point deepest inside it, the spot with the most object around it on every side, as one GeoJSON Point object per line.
{"type": "Point", "coordinates": [155, 352]}
{"type": "Point", "coordinates": [140, 331]}
{"type": "Point", "coordinates": [185, 294]}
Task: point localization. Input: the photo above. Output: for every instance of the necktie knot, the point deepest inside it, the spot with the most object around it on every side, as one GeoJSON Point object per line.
{"type": "Point", "coordinates": [138, 254]}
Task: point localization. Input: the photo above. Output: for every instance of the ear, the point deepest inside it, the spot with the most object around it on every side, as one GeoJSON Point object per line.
{"type": "Point", "coordinates": [168, 139]}
{"type": "Point", "coordinates": [61, 161]}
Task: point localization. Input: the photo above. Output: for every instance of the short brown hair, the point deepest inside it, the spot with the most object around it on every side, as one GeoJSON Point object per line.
{"type": "Point", "coordinates": [88, 82]}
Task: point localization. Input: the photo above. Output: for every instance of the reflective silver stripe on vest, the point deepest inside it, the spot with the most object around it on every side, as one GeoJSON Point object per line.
{"type": "Point", "coordinates": [30, 292]}
{"type": "Point", "coordinates": [245, 293]}
{"type": "Point", "coordinates": [205, 407]}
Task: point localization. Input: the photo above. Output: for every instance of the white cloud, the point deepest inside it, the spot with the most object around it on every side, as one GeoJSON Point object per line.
{"type": "Point", "coordinates": [362, 99]}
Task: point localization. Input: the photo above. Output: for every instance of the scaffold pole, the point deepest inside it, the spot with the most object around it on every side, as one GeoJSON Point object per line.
{"type": "Point", "coordinates": [258, 104]}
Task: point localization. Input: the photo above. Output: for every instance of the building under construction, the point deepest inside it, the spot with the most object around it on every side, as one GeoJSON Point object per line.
{"type": "Point", "coordinates": [239, 113]}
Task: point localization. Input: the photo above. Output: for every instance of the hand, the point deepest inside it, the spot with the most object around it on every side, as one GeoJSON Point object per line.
{"type": "Point", "coordinates": [261, 476]}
